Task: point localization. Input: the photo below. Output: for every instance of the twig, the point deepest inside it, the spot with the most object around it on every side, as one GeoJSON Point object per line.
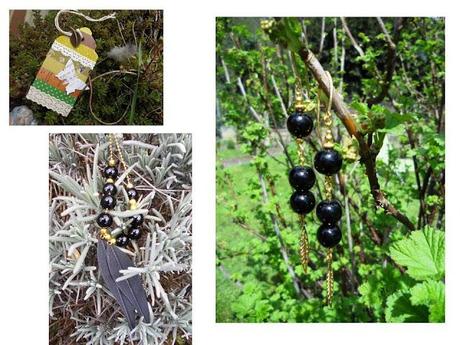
{"type": "Point", "coordinates": [367, 157]}
{"type": "Point", "coordinates": [390, 61]}
{"type": "Point", "coordinates": [354, 43]}
{"type": "Point", "coordinates": [323, 35]}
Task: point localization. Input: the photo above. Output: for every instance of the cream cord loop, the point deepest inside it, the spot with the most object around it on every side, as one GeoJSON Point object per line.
{"type": "Point", "coordinates": [88, 18]}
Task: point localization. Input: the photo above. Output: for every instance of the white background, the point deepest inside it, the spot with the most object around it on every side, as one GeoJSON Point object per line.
{"type": "Point", "coordinates": [189, 99]}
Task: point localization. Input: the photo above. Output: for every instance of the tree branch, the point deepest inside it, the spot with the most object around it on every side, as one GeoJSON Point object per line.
{"type": "Point", "coordinates": [390, 61]}
{"type": "Point", "coordinates": [344, 114]}
{"type": "Point", "coordinates": [354, 43]}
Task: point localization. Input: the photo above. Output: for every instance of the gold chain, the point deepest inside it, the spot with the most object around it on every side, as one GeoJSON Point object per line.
{"type": "Point", "coordinates": [304, 244]}
{"type": "Point", "coordinates": [304, 248]}
{"type": "Point", "coordinates": [112, 140]}
{"type": "Point", "coordinates": [129, 185]}
{"type": "Point", "coordinates": [330, 277]}
{"type": "Point", "coordinates": [300, 151]}
{"type": "Point", "coordinates": [328, 184]}
{"type": "Point", "coordinates": [328, 187]}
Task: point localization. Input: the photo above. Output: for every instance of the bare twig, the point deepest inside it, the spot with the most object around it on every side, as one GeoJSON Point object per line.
{"type": "Point", "coordinates": [354, 43]}
{"type": "Point", "coordinates": [390, 61]}
{"type": "Point", "coordinates": [323, 35]}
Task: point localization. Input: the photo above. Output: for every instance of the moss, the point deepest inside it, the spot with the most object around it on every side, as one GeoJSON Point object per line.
{"type": "Point", "coordinates": [112, 95]}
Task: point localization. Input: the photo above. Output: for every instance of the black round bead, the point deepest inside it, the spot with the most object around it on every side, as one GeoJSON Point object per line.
{"type": "Point", "coordinates": [108, 202]}
{"type": "Point", "coordinates": [132, 193]}
{"type": "Point", "coordinates": [329, 211]}
{"type": "Point", "coordinates": [136, 220]}
{"type": "Point", "coordinates": [299, 124]}
{"type": "Point", "coordinates": [110, 172]}
{"type": "Point", "coordinates": [104, 220]}
{"type": "Point", "coordinates": [328, 162]}
{"type": "Point", "coordinates": [134, 233]}
{"type": "Point", "coordinates": [109, 189]}
{"type": "Point", "coordinates": [122, 241]}
{"type": "Point", "coordinates": [302, 202]}
{"type": "Point", "coordinates": [329, 235]}
{"type": "Point", "coordinates": [302, 178]}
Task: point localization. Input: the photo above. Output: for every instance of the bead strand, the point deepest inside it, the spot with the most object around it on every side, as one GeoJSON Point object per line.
{"type": "Point", "coordinates": [328, 162]}
{"type": "Point", "coordinates": [108, 201]}
{"type": "Point", "coordinates": [302, 177]}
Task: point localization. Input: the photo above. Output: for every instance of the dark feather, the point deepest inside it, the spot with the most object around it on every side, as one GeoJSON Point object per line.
{"type": "Point", "coordinates": [131, 288]}
{"type": "Point", "coordinates": [126, 306]}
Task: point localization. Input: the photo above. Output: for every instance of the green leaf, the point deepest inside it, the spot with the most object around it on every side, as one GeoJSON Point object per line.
{"type": "Point", "coordinates": [422, 253]}
{"type": "Point", "coordinates": [393, 120]}
{"type": "Point", "coordinates": [431, 294]}
{"type": "Point", "coordinates": [360, 107]}
{"type": "Point", "coordinates": [400, 309]}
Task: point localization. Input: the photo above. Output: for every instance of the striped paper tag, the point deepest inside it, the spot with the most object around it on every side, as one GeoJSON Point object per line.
{"type": "Point", "coordinates": [63, 75]}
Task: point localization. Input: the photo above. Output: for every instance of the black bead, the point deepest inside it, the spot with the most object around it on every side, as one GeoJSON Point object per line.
{"type": "Point", "coordinates": [122, 241]}
{"type": "Point", "coordinates": [329, 235]}
{"type": "Point", "coordinates": [329, 211]}
{"type": "Point", "coordinates": [299, 124]}
{"type": "Point", "coordinates": [109, 189]}
{"type": "Point", "coordinates": [134, 233]}
{"type": "Point", "coordinates": [302, 178]}
{"type": "Point", "coordinates": [108, 202]}
{"type": "Point", "coordinates": [104, 220]}
{"type": "Point", "coordinates": [110, 172]}
{"type": "Point", "coordinates": [328, 162]}
{"type": "Point", "coordinates": [132, 193]}
{"type": "Point", "coordinates": [136, 220]}
{"type": "Point", "coordinates": [302, 202]}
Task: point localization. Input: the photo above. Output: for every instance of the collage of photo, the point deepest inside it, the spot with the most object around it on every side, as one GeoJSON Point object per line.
{"type": "Point", "coordinates": [328, 169]}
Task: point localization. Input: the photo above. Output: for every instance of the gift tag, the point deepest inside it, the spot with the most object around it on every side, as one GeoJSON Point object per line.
{"type": "Point", "coordinates": [63, 75]}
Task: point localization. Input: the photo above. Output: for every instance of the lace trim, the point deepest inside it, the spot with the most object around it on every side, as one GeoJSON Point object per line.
{"type": "Point", "coordinates": [47, 101]}
{"type": "Point", "coordinates": [73, 55]}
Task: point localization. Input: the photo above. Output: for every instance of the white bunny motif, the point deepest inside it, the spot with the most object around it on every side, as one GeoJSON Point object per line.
{"type": "Point", "coordinates": [70, 79]}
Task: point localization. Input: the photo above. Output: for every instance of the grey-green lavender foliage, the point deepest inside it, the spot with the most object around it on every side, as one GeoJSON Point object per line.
{"type": "Point", "coordinates": [161, 167]}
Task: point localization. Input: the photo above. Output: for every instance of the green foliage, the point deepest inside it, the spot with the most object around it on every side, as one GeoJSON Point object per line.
{"type": "Point", "coordinates": [431, 294]}
{"type": "Point", "coordinates": [139, 95]}
{"type": "Point", "coordinates": [422, 253]}
{"type": "Point", "coordinates": [382, 272]}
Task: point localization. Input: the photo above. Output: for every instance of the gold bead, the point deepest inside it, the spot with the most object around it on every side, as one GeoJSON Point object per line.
{"type": "Point", "coordinates": [107, 237]}
{"type": "Point", "coordinates": [109, 180]}
{"type": "Point", "coordinates": [111, 241]}
{"type": "Point", "coordinates": [129, 185]}
{"type": "Point", "coordinates": [112, 162]}
{"type": "Point", "coordinates": [328, 145]}
{"type": "Point", "coordinates": [103, 231]}
{"type": "Point", "coordinates": [132, 204]}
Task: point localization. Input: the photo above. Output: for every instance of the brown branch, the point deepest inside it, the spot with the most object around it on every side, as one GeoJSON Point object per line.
{"type": "Point", "coordinates": [390, 61]}
{"type": "Point", "coordinates": [344, 114]}
{"type": "Point", "coordinates": [354, 43]}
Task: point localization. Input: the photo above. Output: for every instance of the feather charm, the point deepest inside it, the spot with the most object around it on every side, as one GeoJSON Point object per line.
{"type": "Point", "coordinates": [129, 293]}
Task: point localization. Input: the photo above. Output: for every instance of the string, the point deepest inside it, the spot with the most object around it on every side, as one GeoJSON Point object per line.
{"type": "Point", "coordinates": [88, 18]}
{"type": "Point", "coordinates": [90, 103]}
